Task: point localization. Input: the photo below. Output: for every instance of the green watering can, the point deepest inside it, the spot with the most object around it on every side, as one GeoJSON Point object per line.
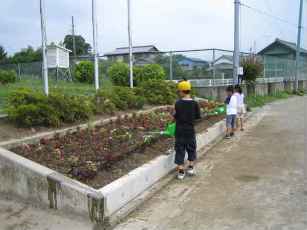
{"type": "Point", "coordinates": [217, 111]}
{"type": "Point", "coordinates": [170, 130]}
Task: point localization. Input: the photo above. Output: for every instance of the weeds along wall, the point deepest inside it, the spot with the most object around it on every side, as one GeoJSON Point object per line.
{"type": "Point", "coordinates": [260, 89]}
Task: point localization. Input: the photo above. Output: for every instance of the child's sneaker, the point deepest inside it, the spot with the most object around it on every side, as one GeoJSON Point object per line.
{"type": "Point", "coordinates": [191, 171]}
{"type": "Point", "coordinates": [227, 137]}
{"type": "Point", "coordinates": [232, 134]}
{"type": "Point", "coordinates": [180, 175]}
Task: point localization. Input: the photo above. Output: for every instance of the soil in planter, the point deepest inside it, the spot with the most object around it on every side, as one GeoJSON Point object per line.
{"type": "Point", "coordinates": [9, 131]}
{"type": "Point", "coordinates": [102, 154]}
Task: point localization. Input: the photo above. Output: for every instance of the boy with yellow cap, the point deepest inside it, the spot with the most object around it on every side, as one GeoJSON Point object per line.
{"type": "Point", "coordinates": [187, 111]}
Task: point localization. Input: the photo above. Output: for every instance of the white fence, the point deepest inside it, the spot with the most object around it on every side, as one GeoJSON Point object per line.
{"type": "Point", "coordinates": [226, 82]}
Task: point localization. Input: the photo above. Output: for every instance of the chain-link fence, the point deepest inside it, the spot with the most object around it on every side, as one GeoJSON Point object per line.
{"type": "Point", "coordinates": [214, 64]}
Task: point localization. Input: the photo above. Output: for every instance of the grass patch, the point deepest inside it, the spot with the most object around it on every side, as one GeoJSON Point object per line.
{"type": "Point", "coordinates": [259, 101]}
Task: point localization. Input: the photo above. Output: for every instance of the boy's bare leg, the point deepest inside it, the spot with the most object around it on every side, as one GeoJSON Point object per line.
{"type": "Point", "coordinates": [180, 167]}
{"type": "Point", "coordinates": [241, 124]}
{"type": "Point", "coordinates": [228, 131]}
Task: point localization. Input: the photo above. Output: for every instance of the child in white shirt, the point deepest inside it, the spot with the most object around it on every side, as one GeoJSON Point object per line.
{"type": "Point", "coordinates": [241, 106]}
{"type": "Point", "coordinates": [231, 112]}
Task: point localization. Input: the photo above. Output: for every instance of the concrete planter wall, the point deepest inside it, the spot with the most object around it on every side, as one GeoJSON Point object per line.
{"type": "Point", "coordinates": [31, 181]}
{"type": "Point", "coordinates": [218, 92]}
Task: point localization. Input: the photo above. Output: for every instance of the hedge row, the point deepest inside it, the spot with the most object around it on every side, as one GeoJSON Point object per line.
{"type": "Point", "coordinates": [7, 76]}
{"type": "Point", "coordinates": [119, 73]}
{"type": "Point", "coordinates": [31, 108]}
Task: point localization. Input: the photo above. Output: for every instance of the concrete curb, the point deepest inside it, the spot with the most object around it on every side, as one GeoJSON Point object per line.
{"type": "Point", "coordinates": [31, 181]}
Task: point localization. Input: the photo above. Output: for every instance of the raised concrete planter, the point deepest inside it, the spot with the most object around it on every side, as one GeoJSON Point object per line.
{"type": "Point", "coordinates": [62, 132]}
{"type": "Point", "coordinates": [31, 181]}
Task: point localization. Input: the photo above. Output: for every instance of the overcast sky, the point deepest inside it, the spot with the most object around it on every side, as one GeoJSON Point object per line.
{"type": "Point", "coordinates": [168, 24]}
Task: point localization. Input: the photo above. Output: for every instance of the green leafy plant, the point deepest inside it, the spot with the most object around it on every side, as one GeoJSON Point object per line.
{"type": "Point", "coordinates": [157, 92]}
{"type": "Point", "coordinates": [119, 74]}
{"type": "Point", "coordinates": [32, 108]}
{"type": "Point", "coordinates": [149, 72]}
{"type": "Point", "coordinates": [84, 72]}
{"type": "Point", "coordinates": [7, 76]}
{"type": "Point", "coordinates": [71, 108]}
{"type": "Point", "coordinates": [108, 100]}
{"type": "Point", "coordinates": [128, 96]}
{"type": "Point", "coordinates": [252, 68]}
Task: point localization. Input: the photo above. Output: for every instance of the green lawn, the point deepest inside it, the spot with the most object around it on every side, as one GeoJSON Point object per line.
{"type": "Point", "coordinates": [67, 87]}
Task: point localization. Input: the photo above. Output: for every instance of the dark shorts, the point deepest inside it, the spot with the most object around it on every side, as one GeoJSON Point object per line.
{"type": "Point", "coordinates": [231, 121]}
{"type": "Point", "coordinates": [183, 146]}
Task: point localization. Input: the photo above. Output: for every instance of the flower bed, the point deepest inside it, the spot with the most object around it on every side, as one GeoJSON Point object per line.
{"type": "Point", "coordinates": [98, 155]}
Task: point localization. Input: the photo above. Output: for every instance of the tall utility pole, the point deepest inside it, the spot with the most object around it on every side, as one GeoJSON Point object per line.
{"type": "Point", "coordinates": [73, 36]}
{"type": "Point", "coordinates": [236, 55]}
{"type": "Point", "coordinates": [95, 43]}
{"type": "Point", "coordinates": [298, 46]}
{"type": "Point", "coordinates": [130, 44]}
{"type": "Point", "coordinates": [44, 45]}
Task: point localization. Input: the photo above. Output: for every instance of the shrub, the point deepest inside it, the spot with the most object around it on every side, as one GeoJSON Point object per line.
{"type": "Point", "coordinates": [157, 92]}
{"type": "Point", "coordinates": [119, 74]}
{"type": "Point", "coordinates": [25, 96]}
{"type": "Point", "coordinates": [84, 72]}
{"type": "Point", "coordinates": [71, 108]}
{"type": "Point", "coordinates": [31, 108]}
{"type": "Point", "coordinates": [106, 101]}
{"type": "Point", "coordinates": [128, 96]}
{"type": "Point", "coordinates": [34, 115]}
{"type": "Point", "coordinates": [7, 76]}
{"type": "Point", "coordinates": [117, 98]}
{"type": "Point", "coordinates": [149, 72]}
{"type": "Point", "coordinates": [252, 68]}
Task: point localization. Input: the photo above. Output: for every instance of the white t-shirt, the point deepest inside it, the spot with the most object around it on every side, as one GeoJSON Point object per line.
{"type": "Point", "coordinates": [240, 99]}
{"type": "Point", "coordinates": [232, 107]}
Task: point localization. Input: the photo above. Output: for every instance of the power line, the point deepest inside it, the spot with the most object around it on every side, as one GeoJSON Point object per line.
{"type": "Point", "coordinates": [268, 14]}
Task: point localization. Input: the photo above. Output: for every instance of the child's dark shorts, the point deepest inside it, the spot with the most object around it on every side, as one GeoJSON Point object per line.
{"type": "Point", "coordinates": [231, 121]}
{"type": "Point", "coordinates": [183, 146]}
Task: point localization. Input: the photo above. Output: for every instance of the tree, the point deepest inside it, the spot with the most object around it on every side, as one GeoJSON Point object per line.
{"type": "Point", "coordinates": [82, 47]}
{"type": "Point", "coordinates": [252, 68]}
{"type": "Point", "coordinates": [3, 55]}
{"type": "Point", "coordinates": [26, 55]}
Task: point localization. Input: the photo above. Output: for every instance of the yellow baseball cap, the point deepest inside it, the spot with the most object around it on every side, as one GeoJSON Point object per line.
{"type": "Point", "coordinates": [184, 86]}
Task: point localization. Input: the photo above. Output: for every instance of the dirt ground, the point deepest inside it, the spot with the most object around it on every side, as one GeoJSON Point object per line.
{"type": "Point", "coordinates": [9, 131]}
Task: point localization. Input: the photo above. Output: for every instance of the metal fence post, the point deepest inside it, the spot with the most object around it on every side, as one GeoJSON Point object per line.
{"type": "Point", "coordinates": [19, 71]}
{"type": "Point", "coordinates": [213, 64]}
{"type": "Point", "coordinates": [171, 65]}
